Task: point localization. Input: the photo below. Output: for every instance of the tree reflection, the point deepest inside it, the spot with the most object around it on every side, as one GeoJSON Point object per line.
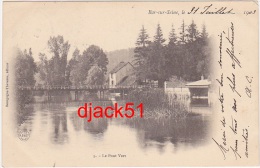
{"type": "Point", "coordinates": [96, 126]}
{"type": "Point", "coordinates": [60, 130]}
{"type": "Point", "coordinates": [24, 118]}
{"type": "Point", "coordinates": [76, 121]}
{"type": "Point", "coordinates": [158, 132]}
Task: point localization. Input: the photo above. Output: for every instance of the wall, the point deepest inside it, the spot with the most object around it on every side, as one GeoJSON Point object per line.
{"type": "Point", "coordinates": [125, 71]}
{"type": "Point", "coordinates": [112, 80]}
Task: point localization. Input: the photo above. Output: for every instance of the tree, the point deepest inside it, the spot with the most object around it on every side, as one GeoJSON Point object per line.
{"type": "Point", "coordinates": [25, 69]}
{"type": "Point", "coordinates": [158, 38]}
{"type": "Point", "coordinates": [78, 74]}
{"type": "Point", "coordinates": [76, 57]}
{"type": "Point", "coordinates": [183, 33]}
{"type": "Point", "coordinates": [191, 56]}
{"type": "Point", "coordinates": [172, 36]}
{"type": "Point", "coordinates": [189, 52]}
{"type": "Point", "coordinates": [157, 60]}
{"type": "Point", "coordinates": [92, 56]}
{"type": "Point", "coordinates": [58, 63]}
{"type": "Point", "coordinates": [198, 54]}
{"type": "Point", "coordinates": [204, 33]}
{"type": "Point", "coordinates": [172, 66]}
{"type": "Point", "coordinates": [203, 66]}
{"type": "Point", "coordinates": [44, 69]}
{"type": "Point", "coordinates": [193, 33]}
{"type": "Point", "coordinates": [95, 76]}
{"type": "Point", "coordinates": [186, 56]}
{"type": "Point", "coordinates": [141, 55]}
{"type": "Point", "coordinates": [143, 38]}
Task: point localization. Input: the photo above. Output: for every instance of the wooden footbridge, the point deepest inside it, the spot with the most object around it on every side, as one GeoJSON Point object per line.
{"type": "Point", "coordinates": [79, 88]}
{"type": "Point", "coordinates": [51, 90]}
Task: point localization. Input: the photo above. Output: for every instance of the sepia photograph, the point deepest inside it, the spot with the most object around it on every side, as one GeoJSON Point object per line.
{"type": "Point", "coordinates": [130, 84]}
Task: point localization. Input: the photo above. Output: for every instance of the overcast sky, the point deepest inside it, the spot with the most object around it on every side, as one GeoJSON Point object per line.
{"type": "Point", "coordinates": [111, 26]}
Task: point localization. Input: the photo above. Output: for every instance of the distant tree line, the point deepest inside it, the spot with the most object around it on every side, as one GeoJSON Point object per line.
{"type": "Point", "coordinates": [88, 68]}
{"type": "Point", "coordinates": [186, 55]}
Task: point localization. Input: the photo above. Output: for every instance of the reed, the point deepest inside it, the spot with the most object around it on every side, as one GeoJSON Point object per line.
{"type": "Point", "coordinates": [157, 104]}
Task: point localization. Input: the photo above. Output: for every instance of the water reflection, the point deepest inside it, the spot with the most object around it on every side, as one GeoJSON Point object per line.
{"type": "Point", "coordinates": [59, 121]}
{"type": "Point", "coordinates": [192, 130]}
{"type": "Point", "coordinates": [76, 122]}
{"type": "Point", "coordinates": [95, 127]}
{"type": "Point", "coordinates": [24, 119]}
{"type": "Point", "coordinates": [62, 125]}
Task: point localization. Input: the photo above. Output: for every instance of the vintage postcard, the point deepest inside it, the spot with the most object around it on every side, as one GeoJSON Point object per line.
{"type": "Point", "coordinates": [130, 84]}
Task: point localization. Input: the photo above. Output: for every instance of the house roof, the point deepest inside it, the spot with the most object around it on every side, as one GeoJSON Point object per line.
{"type": "Point", "coordinates": [120, 66]}
{"type": "Point", "coordinates": [199, 84]}
{"type": "Point", "coordinates": [127, 80]}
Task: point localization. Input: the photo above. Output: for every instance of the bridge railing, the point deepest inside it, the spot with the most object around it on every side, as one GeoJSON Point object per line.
{"type": "Point", "coordinates": [88, 87]}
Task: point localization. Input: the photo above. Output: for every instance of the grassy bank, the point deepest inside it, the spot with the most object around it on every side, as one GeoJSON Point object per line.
{"type": "Point", "coordinates": [157, 104]}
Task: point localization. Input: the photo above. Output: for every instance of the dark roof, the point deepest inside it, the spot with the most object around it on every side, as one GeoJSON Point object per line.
{"type": "Point", "coordinates": [120, 66]}
{"type": "Point", "coordinates": [127, 80]}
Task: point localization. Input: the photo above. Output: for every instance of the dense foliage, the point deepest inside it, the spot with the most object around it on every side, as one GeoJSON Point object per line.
{"type": "Point", "coordinates": [186, 56]}
{"type": "Point", "coordinates": [89, 67]}
{"type": "Point", "coordinates": [25, 69]}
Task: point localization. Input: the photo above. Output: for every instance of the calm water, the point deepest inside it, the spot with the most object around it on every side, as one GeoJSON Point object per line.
{"type": "Point", "coordinates": [57, 126]}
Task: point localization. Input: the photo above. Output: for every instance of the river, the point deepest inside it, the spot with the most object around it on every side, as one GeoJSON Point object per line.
{"type": "Point", "coordinates": [57, 127]}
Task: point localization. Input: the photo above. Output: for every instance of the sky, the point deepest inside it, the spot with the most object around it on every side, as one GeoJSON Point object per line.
{"type": "Point", "coordinates": [112, 26]}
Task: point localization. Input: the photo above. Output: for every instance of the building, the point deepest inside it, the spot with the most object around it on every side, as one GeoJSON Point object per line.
{"type": "Point", "coordinates": [200, 92]}
{"type": "Point", "coordinates": [176, 88]}
{"type": "Point", "coordinates": [122, 75]}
